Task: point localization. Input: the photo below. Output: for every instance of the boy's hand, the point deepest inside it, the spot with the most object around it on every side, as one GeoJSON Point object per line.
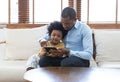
{"type": "Point", "coordinates": [41, 54]}
{"type": "Point", "coordinates": [43, 43]}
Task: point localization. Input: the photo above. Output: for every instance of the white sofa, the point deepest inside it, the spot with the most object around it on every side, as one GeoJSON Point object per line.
{"type": "Point", "coordinates": [107, 44]}
{"type": "Point", "coordinates": [19, 45]}
{"type": "Point", "coordinates": [22, 43]}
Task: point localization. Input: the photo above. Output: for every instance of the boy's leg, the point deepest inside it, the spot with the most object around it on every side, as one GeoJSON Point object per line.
{"type": "Point", "coordinates": [32, 62]}
{"type": "Point", "coordinates": [46, 61]}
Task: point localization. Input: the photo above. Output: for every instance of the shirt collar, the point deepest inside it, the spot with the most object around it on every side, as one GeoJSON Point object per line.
{"type": "Point", "coordinates": [77, 24]}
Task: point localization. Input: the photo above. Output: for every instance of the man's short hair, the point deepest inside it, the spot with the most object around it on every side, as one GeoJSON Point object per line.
{"type": "Point", "coordinates": [68, 12]}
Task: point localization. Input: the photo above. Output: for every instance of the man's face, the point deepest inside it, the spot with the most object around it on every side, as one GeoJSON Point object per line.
{"type": "Point", "coordinates": [67, 23]}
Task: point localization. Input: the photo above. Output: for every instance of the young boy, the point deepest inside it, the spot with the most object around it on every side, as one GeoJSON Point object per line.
{"type": "Point", "coordinates": [56, 33]}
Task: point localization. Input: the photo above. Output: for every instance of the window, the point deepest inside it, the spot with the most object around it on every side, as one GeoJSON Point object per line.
{"type": "Point", "coordinates": [46, 10]}
{"type": "Point", "coordinates": [119, 11]}
{"type": "Point", "coordinates": [3, 11]}
{"type": "Point", "coordinates": [100, 11]}
{"type": "Point", "coordinates": [14, 11]}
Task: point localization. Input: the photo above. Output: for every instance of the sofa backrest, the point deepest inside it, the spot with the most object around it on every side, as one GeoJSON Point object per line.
{"type": "Point", "coordinates": [106, 45]}
{"type": "Point", "coordinates": [21, 43]}
{"type": "Point", "coordinates": [94, 47]}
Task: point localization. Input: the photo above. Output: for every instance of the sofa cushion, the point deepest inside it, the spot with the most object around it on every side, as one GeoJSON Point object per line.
{"type": "Point", "coordinates": [109, 64]}
{"type": "Point", "coordinates": [107, 45]}
{"type": "Point", "coordinates": [2, 43]}
{"type": "Point", "coordinates": [2, 35]}
{"type": "Point", "coordinates": [92, 62]}
{"type": "Point", "coordinates": [12, 71]}
{"type": "Point", "coordinates": [22, 43]}
{"type": "Point", "coordinates": [2, 51]}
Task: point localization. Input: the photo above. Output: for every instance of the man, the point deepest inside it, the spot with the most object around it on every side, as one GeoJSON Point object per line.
{"type": "Point", "coordinates": [78, 43]}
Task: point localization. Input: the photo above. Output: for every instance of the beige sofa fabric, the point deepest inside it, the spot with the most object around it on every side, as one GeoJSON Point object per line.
{"type": "Point", "coordinates": [13, 61]}
{"type": "Point", "coordinates": [20, 45]}
{"type": "Point", "coordinates": [12, 71]}
{"type": "Point", "coordinates": [107, 47]}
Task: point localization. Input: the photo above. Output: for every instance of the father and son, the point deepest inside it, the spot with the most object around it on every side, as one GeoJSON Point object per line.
{"type": "Point", "coordinates": [73, 40]}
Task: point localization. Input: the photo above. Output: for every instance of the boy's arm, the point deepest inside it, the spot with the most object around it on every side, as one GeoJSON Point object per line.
{"type": "Point", "coordinates": [45, 38]}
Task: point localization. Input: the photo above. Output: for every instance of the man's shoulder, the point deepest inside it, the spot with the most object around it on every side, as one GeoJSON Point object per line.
{"type": "Point", "coordinates": [80, 24]}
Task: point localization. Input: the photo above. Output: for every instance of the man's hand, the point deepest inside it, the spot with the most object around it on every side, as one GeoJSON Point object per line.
{"type": "Point", "coordinates": [59, 52]}
{"type": "Point", "coordinates": [64, 51]}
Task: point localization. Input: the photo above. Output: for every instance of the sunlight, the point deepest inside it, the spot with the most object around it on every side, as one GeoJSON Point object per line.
{"type": "Point", "coordinates": [50, 10]}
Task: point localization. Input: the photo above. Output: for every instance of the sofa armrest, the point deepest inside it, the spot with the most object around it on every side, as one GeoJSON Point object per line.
{"type": "Point", "coordinates": [107, 47]}
{"type": "Point", "coordinates": [93, 62]}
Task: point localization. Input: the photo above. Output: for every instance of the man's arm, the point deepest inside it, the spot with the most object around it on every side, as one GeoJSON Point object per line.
{"type": "Point", "coordinates": [87, 42]}
{"type": "Point", "coordinates": [44, 38]}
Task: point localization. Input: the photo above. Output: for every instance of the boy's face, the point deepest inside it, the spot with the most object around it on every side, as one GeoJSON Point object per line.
{"type": "Point", "coordinates": [56, 36]}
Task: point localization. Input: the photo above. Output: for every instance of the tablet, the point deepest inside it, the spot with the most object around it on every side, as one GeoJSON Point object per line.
{"type": "Point", "coordinates": [48, 48]}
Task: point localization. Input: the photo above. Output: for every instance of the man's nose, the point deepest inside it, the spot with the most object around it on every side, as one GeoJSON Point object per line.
{"type": "Point", "coordinates": [65, 26]}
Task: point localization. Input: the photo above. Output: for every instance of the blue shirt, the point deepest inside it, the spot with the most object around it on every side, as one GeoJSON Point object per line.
{"type": "Point", "coordinates": [79, 41]}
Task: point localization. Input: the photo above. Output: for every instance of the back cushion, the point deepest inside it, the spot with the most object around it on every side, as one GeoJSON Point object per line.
{"type": "Point", "coordinates": [2, 34]}
{"type": "Point", "coordinates": [22, 43]}
{"type": "Point", "coordinates": [107, 45]}
{"type": "Point", "coordinates": [2, 44]}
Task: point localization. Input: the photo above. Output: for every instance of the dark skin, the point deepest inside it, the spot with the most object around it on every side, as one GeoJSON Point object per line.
{"type": "Point", "coordinates": [56, 53]}
{"type": "Point", "coordinates": [67, 23]}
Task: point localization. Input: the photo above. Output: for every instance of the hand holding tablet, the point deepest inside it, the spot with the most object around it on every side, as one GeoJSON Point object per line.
{"type": "Point", "coordinates": [48, 48]}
